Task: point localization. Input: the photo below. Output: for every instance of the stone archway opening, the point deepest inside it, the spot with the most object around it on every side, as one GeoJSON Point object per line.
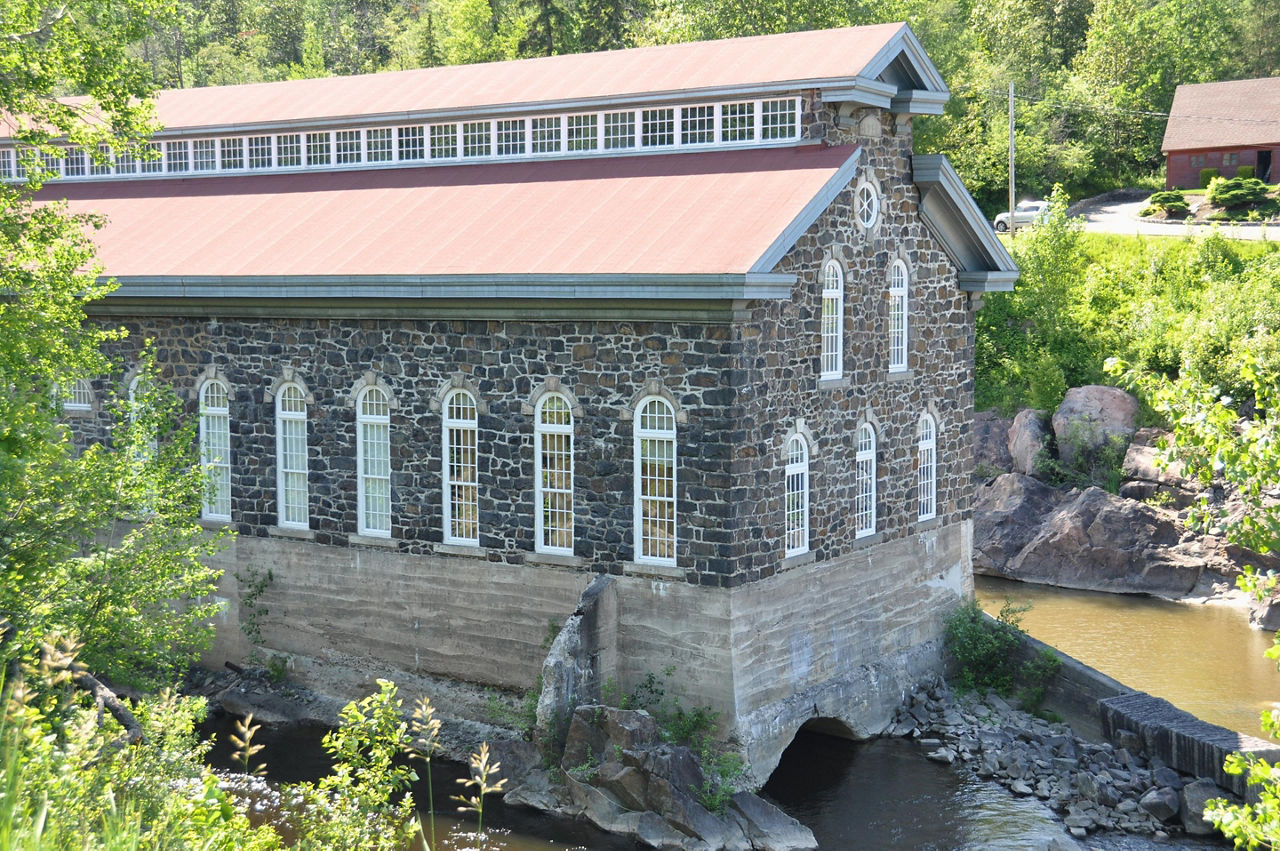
{"type": "Point", "coordinates": [833, 727]}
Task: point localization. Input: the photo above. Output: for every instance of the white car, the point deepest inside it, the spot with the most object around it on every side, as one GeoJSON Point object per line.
{"type": "Point", "coordinates": [1026, 213]}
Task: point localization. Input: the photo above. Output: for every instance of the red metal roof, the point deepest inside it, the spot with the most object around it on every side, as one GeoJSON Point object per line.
{"type": "Point", "coordinates": [740, 62]}
{"type": "Point", "coordinates": [1224, 115]}
{"type": "Point", "coordinates": [696, 213]}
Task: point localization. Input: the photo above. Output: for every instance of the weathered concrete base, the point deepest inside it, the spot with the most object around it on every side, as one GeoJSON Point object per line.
{"type": "Point", "coordinates": [841, 639]}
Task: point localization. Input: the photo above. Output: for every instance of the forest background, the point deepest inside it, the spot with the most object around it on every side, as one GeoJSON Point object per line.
{"type": "Point", "coordinates": [1093, 79]}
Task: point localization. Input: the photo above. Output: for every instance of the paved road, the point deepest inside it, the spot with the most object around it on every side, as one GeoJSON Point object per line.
{"type": "Point", "coordinates": [1122, 217]}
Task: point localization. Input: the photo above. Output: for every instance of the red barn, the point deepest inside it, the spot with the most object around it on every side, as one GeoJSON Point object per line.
{"type": "Point", "coordinates": [1222, 126]}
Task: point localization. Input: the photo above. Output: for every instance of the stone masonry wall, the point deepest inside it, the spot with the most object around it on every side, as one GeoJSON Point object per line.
{"type": "Point", "coordinates": [739, 390]}
{"type": "Point", "coordinates": [781, 364]}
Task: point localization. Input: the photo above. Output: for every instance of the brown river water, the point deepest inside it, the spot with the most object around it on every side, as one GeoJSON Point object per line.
{"type": "Point", "coordinates": [1203, 658]}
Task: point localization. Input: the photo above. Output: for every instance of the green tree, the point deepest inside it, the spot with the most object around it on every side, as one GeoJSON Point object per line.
{"type": "Point", "coordinates": [1217, 446]}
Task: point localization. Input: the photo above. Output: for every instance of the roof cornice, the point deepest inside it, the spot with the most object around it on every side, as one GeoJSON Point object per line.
{"type": "Point", "coordinates": [950, 212]}
{"type": "Point", "coordinates": [215, 288]}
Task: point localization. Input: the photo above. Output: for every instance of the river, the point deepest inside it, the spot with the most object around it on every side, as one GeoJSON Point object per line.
{"type": "Point", "coordinates": [1203, 658]}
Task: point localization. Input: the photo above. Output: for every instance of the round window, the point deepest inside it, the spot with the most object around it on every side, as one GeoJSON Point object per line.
{"type": "Point", "coordinates": [867, 205]}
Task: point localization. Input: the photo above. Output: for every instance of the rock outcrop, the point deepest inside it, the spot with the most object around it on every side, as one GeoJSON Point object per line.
{"type": "Point", "coordinates": [1007, 515]}
{"type": "Point", "coordinates": [991, 444]}
{"type": "Point", "coordinates": [1091, 417]}
{"type": "Point", "coordinates": [1102, 542]}
{"type": "Point", "coordinates": [621, 775]}
{"type": "Point", "coordinates": [1027, 438]}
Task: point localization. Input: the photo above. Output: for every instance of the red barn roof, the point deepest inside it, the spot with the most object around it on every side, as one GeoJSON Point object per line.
{"type": "Point", "coordinates": [679, 214]}
{"type": "Point", "coordinates": [1224, 115]}
{"type": "Point", "coordinates": [740, 63]}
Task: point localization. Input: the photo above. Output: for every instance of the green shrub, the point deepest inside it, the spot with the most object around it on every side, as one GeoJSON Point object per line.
{"type": "Point", "coordinates": [1206, 177]}
{"type": "Point", "coordinates": [985, 649]}
{"type": "Point", "coordinates": [1245, 171]}
{"type": "Point", "coordinates": [1147, 211]}
{"type": "Point", "coordinates": [1236, 192]}
{"type": "Point", "coordinates": [987, 653]}
{"type": "Point", "coordinates": [1173, 203]}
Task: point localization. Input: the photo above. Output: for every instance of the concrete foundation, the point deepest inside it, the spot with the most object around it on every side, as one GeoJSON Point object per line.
{"type": "Point", "coordinates": [841, 639]}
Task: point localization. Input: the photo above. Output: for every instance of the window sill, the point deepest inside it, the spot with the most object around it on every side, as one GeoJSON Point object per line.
{"type": "Point", "coordinates": [462, 550]}
{"type": "Point", "coordinates": [371, 541]}
{"type": "Point", "coordinates": [925, 525]}
{"type": "Point", "coordinates": [290, 532]}
{"type": "Point", "coordinates": [900, 375]}
{"type": "Point", "coordinates": [835, 383]}
{"type": "Point", "coordinates": [868, 540]}
{"type": "Point", "coordinates": [798, 560]}
{"type": "Point", "coordinates": [215, 524]}
{"type": "Point", "coordinates": [555, 559]}
{"type": "Point", "coordinates": [653, 571]}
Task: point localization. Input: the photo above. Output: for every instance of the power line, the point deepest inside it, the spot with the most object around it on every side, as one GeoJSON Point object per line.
{"type": "Point", "coordinates": [1085, 107]}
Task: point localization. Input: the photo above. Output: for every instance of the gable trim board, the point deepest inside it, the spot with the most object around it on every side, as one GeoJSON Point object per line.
{"type": "Point", "coordinates": [949, 211]}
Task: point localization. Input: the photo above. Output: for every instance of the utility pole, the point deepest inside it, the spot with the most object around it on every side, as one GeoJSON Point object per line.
{"type": "Point", "coordinates": [1012, 223]}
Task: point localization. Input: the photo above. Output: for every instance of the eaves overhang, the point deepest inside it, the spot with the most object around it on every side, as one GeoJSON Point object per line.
{"type": "Point", "coordinates": [625, 287]}
{"type": "Point", "coordinates": [952, 215]}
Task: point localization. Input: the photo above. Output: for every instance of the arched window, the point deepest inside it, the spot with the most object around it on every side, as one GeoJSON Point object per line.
{"type": "Point", "coordinates": [553, 479]}
{"type": "Point", "coordinates": [373, 460]}
{"type": "Point", "coordinates": [866, 205]}
{"type": "Point", "coordinates": [215, 449]}
{"type": "Point", "coordinates": [655, 481]}
{"type": "Point", "coordinates": [143, 427]}
{"type": "Point", "coordinates": [80, 398]}
{"type": "Point", "coordinates": [832, 320]}
{"type": "Point", "coordinates": [797, 473]}
{"type": "Point", "coordinates": [897, 316]}
{"type": "Point", "coordinates": [864, 508]}
{"type": "Point", "coordinates": [461, 469]}
{"type": "Point", "coordinates": [292, 497]}
{"type": "Point", "coordinates": [927, 467]}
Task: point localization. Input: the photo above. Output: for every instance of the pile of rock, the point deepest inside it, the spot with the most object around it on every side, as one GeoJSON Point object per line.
{"type": "Point", "coordinates": [1094, 787]}
{"type": "Point", "coordinates": [618, 773]}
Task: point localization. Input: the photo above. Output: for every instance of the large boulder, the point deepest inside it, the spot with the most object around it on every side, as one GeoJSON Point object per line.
{"type": "Point", "coordinates": [1027, 437]}
{"type": "Point", "coordinates": [622, 776]}
{"type": "Point", "coordinates": [1194, 796]}
{"type": "Point", "coordinates": [1101, 542]}
{"type": "Point", "coordinates": [1007, 514]}
{"type": "Point", "coordinates": [1091, 417]}
{"type": "Point", "coordinates": [991, 444]}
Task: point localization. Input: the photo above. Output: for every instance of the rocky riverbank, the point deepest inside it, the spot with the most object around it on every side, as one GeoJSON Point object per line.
{"type": "Point", "coordinates": [1036, 519]}
{"type": "Point", "coordinates": [1095, 788]}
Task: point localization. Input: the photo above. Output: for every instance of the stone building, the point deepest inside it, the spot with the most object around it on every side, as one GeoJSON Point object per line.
{"type": "Point", "coordinates": [695, 317]}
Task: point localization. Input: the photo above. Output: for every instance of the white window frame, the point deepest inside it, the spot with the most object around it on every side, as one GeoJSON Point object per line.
{"type": "Point", "coordinates": [461, 497]}
{"type": "Point", "coordinates": [864, 505]}
{"type": "Point", "coordinates": [831, 329]}
{"type": "Point", "coordinates": [866, 205]}
{"type": "Point", "coordinates": [899, 282]}
{"type": "Point", "coordinates": [927, 468]}
{"type": "Point", "coordinates": [367, 425]}
{"type": "Point", "coordinates": [552, 441]}
{"type": "Point", "coordinates": [643, 502]}
{"type": "Point", "coordinates": [796, 505]}
{"type": "Point", "coordinates": [80, 398]}
{"type": "Point", "coordinates": [215, 448]}
{"type": "Point", "coordinates": [291, 426]}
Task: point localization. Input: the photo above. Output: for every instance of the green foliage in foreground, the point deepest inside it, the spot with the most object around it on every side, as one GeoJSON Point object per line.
{"type": "Point", "coordinates": [69, 779]}
{"type": "Point", "coordinates": [1218, 446]}
{"type": "Point", "coordinates": [986, 652]}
